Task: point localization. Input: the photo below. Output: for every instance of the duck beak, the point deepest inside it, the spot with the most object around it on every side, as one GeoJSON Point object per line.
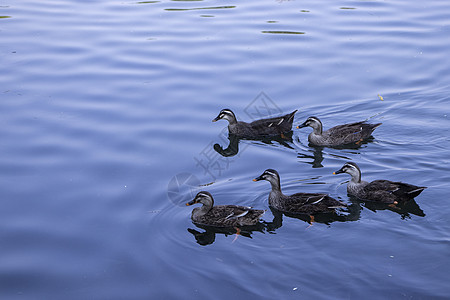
{"type": "Point", "coordinates": [216, 118]}
{"type": "Point", "coordinates": [338, 172]}
{"type": "Point", "coordinates": [258, 178]}
{"type": "Point", "coordinates": [302, 125]}
{"type": "Point", "coordinates": [191, 203]}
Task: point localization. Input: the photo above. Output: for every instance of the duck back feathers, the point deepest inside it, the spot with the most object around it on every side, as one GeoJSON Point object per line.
{"type": "Point", "coordinates": [228, 216]}
{"type": "Point", "coordinates": [389, 191]}
{"type": "Point", "coordinates": [306, 203]}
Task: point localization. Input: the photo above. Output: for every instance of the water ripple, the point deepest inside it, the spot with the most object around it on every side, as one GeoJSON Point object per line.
{"type": "Point", "coordinates": [103, 104]}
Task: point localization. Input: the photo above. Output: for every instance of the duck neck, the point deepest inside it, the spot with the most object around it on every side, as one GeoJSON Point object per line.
{"type": "Point", "coordinates": [356, 177]}
{"type": "Point", "coordinates": [276, 195]}
{"type": "Point", "coordinates": [205, 208]}
{"type": "Point", "coordinates": [317, 129]}
{"type": "Point", "coordinates": [200, 211]}
{"type": "Point", "coordinates": [276, 187]}
{"type": "Point", "coordinates": [231, 120]}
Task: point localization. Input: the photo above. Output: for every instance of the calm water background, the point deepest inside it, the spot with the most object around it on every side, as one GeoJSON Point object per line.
{"type": "Point", "coordinates": [105, 132]}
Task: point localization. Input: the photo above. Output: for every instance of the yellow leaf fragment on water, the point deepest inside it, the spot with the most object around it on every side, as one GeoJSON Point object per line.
{"type": "Point", "coordinates": [381, 97]}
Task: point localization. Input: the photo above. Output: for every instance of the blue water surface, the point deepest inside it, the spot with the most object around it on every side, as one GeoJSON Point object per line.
{"type": "Point", "coordinates": [106, 132]}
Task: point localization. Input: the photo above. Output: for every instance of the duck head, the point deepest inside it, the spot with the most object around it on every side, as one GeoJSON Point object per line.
{"type": "Point", "coordinates": [271, 176]}
{"type": "Point", "coordinates": [352, 169]}
{"type": "Point", "coordinates": [204, 198]}
{"type": "Point", "coordinates": [313, 122]}
{"type": "Point", "coordinates": [226, 114]}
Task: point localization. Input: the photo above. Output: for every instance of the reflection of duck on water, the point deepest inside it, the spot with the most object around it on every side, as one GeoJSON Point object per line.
{"type": "Point", "coordinates": [233, 146]}
{"type": "Point", "coordinates": [405, 209]}
{"type": "Point", "coordinates": [208, 236]}
{"type": "Point", "coordinates": [317, 157]}
{"type": "Point", "coordinates": [231, 150]}
{"type": "Point", "coordinates": [351, 213]}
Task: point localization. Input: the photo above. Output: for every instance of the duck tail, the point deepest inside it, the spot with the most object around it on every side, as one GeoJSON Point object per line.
{"type": "Point", "coordinates": [375, 126]}
{"type": "Point", "coordinates": [291, 116]}
{"type": "Point", "coordinates": [416, 192]}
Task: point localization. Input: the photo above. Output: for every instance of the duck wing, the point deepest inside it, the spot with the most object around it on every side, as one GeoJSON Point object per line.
{"type": "Point", "coordinates": [396, 187]}
{"type": "Point", "coordinates": [275, 125]}
{"type": "Point", "coordinates": [407, 190]}
{"type": "Point", "coordinates": [307, 198]}
{"type": "Point", "coordinates": [236, 213]}
{"type": "Point", "coordinates": [381, 185]}
{"type": "Point", "coordinates": [312, 203]}
{"type": "Point", "coordinates": [390, 191]}
{"type": "Point", "coordinates": [352, 132]}
{"type": "Point", "coordinates": [231, 215]}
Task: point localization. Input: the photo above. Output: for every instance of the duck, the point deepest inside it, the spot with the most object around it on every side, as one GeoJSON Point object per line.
{"type": "Point", "coordinates": [222, 215]}
{"type": "Point", "coordinates": [382, 191]}
{"type": "Point", "coordinates": [352, 133]}
{"type": "Point", "coordinates": [304, 203]}
{"type": "Point", "coordinates": [259, 128]}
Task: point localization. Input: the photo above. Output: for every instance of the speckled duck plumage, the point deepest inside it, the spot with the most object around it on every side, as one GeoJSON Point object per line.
{"type": "Point", "coordinates": [339, 135]}
{"type": "Point", "coordinates": [305, 203]}
{"type": "Point", "coordinates": [222, 215]}
{"type": "Point", "coordinates": [259, 128]}
{"type": "Point", "coordinates": [383, 191]}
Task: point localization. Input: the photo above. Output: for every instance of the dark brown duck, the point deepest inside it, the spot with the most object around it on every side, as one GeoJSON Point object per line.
{"type": "Point", "coordinates": [339, 135]}
{"type": "Point", "coordinates": [305, 203]}
{"type": "Point", "coordinates": [259, 128]}
{"type": "Point", "coordinates": [222, 215]}
{"type": "Point", "coordinates": [384, 191]}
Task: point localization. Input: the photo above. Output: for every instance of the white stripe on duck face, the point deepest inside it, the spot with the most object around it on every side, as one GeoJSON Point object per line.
{"type": "Point", "coordinates": [351, 166]}
{"type": "Point", "coordinates": [314, 120]}
{"type": "Point", "coordinates": [226, 112]}
{"type": "Point", "coordinates": [270, 174]}
{"type": "Point", "coordinates": [202, 195]}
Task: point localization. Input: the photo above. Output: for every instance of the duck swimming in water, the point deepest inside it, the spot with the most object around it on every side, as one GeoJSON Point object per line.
{"type": "Point", "coordinates": [305, 203]}
{"type": "Point", "coordinates": [383, 191]}
{"type": "Point", "coordinates": [259, 128]}
{"type": "Point", "coordinates": [353, 133]}
{"type": "Point", "coordinates": [222, 215]}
